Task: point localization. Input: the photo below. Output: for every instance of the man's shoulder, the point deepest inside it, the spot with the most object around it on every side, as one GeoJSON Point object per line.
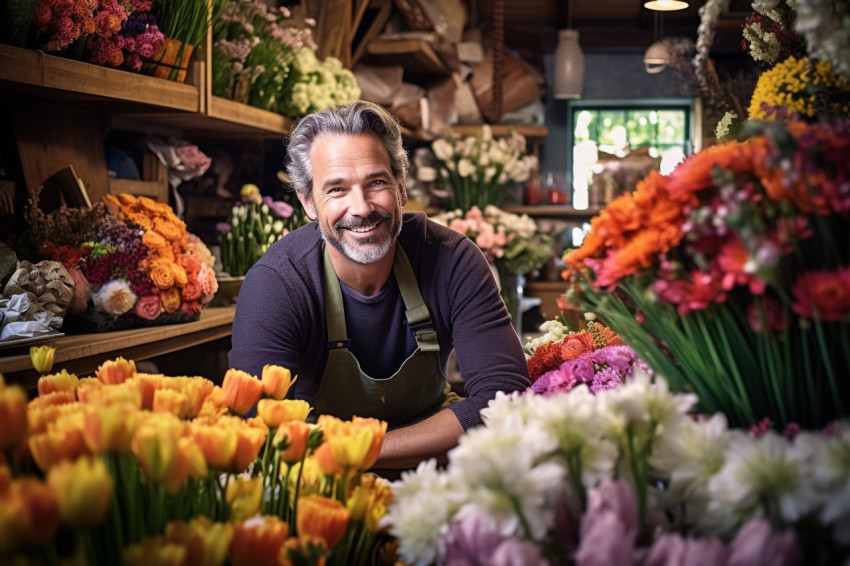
{"type": "Point", "coordinates": [418, 228]}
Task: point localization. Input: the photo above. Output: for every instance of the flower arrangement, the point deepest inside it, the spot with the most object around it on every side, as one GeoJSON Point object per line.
{"type": "Point", "coordinates": [131, 259]}
{"type": "Point", "coordinates": [560, 359]}
{"type": "Point", "coordinates": [476, 169]}
{"type": "Point", "coordinates": [628, 476]}
{"type": "Point", "coordinates": [253, 225]}
{"type": "Point", "coordinates": [509, 241]}
{"type": "Point", "coordinates": [103, 32]}
{"type": "Point", "coordinates": [266, 58]}
{"type": "Point", "coordinates": [736, 269]}
{"type": "Point", "coordinates": [134, 468]}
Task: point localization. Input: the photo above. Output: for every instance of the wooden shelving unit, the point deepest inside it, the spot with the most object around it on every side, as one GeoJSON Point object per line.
{"type": "Point", "coordinates": [415, 54]}
{"type": "Point", "coordinates": [554, 211]}
{"type": "Point", "coordinates": [502, 130]}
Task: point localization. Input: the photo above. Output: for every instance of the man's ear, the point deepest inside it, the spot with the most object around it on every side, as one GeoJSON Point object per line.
{"type": "Point", "coordinates": [308, 205]}
{"type": "Point", "coordinates": [402, 188]}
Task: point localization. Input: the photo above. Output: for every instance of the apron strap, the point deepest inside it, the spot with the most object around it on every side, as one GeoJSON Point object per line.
{"type": "Point", "coordinates": [417, 314]}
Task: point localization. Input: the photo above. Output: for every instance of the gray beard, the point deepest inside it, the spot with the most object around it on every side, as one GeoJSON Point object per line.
{"type": "Point", "coordinates": [368, 251]}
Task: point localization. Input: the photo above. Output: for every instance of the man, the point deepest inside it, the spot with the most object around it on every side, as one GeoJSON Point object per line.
{"type": "Point", "coordinates": [365, 304]}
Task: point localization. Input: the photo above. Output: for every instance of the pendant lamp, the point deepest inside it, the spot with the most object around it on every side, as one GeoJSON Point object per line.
{"type": "Point", "coordinates": [569, 62]}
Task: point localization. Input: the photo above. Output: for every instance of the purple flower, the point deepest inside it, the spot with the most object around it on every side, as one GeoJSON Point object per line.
{"type": "Point", "coordinates": [673, 550]}
{"type": "Point", "coordinates": [608, 378]}
{"type": "Point", "coordinates": [612, 496]}
{"type": "Point", "coordinates": [471, 540]}
{"type": "Point", "coordinates": [609, 526]}
{"type": "Point", "coordinates": [617, 357]}
{"type": "Point", "coordinates": [223, 227]}
{"type": "Point", "coordinates": [555, 381]}
{"type": "Point", "coordinates": [757, 545]}
{"type": "Point", "coordinates": [581, 367]}
{"type": "Point", "coordinates": [514, 552]}
{"type": "Point", "coordinates": [280, 208]}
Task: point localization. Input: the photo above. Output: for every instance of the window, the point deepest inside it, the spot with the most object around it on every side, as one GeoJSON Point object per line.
{"type": "Point", "coordinates": [615, 143]}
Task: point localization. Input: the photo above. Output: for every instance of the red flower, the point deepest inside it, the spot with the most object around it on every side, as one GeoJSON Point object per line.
{"type": "Point", "coordinates": [822, 294]}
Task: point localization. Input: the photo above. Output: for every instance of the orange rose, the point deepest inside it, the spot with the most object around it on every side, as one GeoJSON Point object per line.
{"type": "Point", "coordinates": [180, 277]}
{"type": "Point", "coordinates": [169, 230]}
{"type": "Point", "coordinates": [161, 273]}
{"type": "Point", "coordinates": [154, 240]}
{"type": "Point", "coordinates": [170, 299]}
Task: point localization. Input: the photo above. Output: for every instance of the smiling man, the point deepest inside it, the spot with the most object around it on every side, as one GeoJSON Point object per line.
{"type": "Point", "coordinates": [366, 303]}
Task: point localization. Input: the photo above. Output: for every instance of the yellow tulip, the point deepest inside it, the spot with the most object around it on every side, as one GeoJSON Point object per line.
{"type": "Point", "coordinates": [62, 381]}
{"type": "Point", "coordinates": [244, 496]}
{"type": "Point", "coordinates": [13, 416]}
{"type": "Point", "coordinates": [42, 358]}
{"type": "Point", "coordinates": [218, 443]}
{"type": "Point", "coordinates": [379, 431]}
{"type": "Point", "coordinates": [241, 391]}
{"type": "Point", "coordinates": [276, 381]}
{"type": "Point", "coordinates": [197, 389]}
{"type": "Point", "coordinates": [320, 516]}
{"type": "Point", "coordinates": [206, 542]}
{"type": "Point", "coordinates": [109, 428]}
{"type": "Point", "coordinates": [189, 462]}
{"type": "Point", "coordinates": [274, 412]}
{"type": "Point", "coordinates": [311, 478]}
{"type": "Point", "coordinates": [350, 445]}
{"type": "Point", "coordinates": [155, 446]}
{"type": "Point", "coordinates": [172, 402]}
{"type": "Point", "coordinates": [29, 514]}
{"type": "Point", "coordinates": [213, 405]}
{"type": "Point", "coordinates": [148, 384]}
{"type": "Point", "coordinates": [157, 551]}
{"type": "Point", "coordinates": [83, 490]}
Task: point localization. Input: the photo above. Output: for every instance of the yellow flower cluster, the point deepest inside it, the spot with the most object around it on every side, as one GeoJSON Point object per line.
{"type": "Point", "coordinates": [154, 469]}
{"type": "Point", "coordinates": [788, 86]}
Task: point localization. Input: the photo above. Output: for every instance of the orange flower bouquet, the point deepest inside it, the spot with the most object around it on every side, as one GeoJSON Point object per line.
{"type": "Point", "coordinates": [131, 259]}
{"type": "Point", "coordinates": [132, 468]}
{"type": "Point", "coordinates": [731, 276]}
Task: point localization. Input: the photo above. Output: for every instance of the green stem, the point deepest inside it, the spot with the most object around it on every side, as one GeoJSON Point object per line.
{"type": "Point", "coordinates": [523, 522]}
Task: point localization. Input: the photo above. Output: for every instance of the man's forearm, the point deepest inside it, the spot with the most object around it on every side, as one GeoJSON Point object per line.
{"type": "Point", "coordinates": [431, 438]}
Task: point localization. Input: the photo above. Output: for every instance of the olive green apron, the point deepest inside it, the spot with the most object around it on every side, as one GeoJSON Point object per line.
{"type": "Point", "coordinates": [416, 390]}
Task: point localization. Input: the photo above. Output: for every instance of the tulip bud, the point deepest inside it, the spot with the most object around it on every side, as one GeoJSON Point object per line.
{"type": "Point", "coordinates": [42, 358]}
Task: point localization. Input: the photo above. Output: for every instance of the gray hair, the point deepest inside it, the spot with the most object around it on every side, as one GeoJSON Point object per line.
{"type": "Point", "coordinates": [353, 119]}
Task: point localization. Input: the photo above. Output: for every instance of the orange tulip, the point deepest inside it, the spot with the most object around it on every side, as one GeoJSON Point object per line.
{"type": "Point", "coordinates": [83, 490]}
{"type": "Point", "coordinates": [276, 381]}
{"type": "Point", "coordinates": [157, 551]}
{"type": "Point", "coordinates": [197, 389]}
{"type": "Point", "coordinates": [274, 413]}
{"type": "Point", "coordinates": [62, 381]}
{"type": "Point", "coordinates": [113, 372]}
{"type": "Point", "coordinates": [172, 402]}
{"type": "Point", "coordinates": [148, 384]}
{"type": "Point", "coordinates": [63, 439]}
{"type": "Point", "coordinates": [14, 521]}
{"type": "Point", "coordinates": [241, 391]}
{"type": "Point", "coordinates": [213, 405]}
{"type": "Point", "coordinates": [216, 442]}
{"type": "Point", "coordinates": [244, 496]}
{"type": "Point", "coordinates": [319, 516]}
{"type": "Point", "coordinates": [249, 443]}
{"type": "Point", "coordinates": [55, 398]}
{"type": "Point", "coordinates": [109, 428]}
{"type": "Point", "coordinates": [206, 542]}
{"type": "Point", "coordinates": [42, 509]}
{"type": "Point", "coordinates": [189, 462]}
{"type": "Point", "coordinates": [127, 393]}
{"type": "Point", "coordinates": [304, 549]}
{"type": "Point", "coordinates": [327, 462]}
{"type": "Point", "coordinates": [257, 541]}
{"type": "Point", "coordinates": [294, 436]}
{"type": "Point", "coordinates": [13, 416]}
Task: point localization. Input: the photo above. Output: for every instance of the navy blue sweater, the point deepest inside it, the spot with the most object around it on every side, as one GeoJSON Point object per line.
{"type": "Point", "coordinates": [280, 315]}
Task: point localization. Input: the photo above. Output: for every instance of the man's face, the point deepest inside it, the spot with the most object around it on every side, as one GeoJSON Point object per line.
{"type": "Point", "coordinates": [356, 199]}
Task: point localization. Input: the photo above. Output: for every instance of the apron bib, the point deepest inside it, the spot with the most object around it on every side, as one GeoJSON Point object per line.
{"type": "Point", "coordinates": [416, 390]}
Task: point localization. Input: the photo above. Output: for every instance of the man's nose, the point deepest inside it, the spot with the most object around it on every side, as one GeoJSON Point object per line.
{"type": "Point", "coordinates": [359, 204]}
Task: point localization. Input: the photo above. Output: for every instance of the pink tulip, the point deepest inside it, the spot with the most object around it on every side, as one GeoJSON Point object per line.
{"type": "Point", "coordinates": [757, 545]}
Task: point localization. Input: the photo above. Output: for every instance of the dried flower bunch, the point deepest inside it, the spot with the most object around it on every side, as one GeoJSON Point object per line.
{"type": "Point", "coordinates": [132, 468]}
{"type": "Point", "coordinates": [128, 257]}
{"type": "Point", "coordinates": [104, 32]}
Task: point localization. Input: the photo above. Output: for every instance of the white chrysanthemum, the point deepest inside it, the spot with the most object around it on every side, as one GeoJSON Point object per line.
{"type": "Point", "coordinates": [442, 149]}
{"type": "Point", "coordinates": [553, 331]}
{"type": "Point", "coordinates": [115, 298]}
{"type": "Point", "coordinates": [577, 424]}
{"type": "Point", "coordinates": [505, 404]}
{"type": "Point", "coordinates": [465, 168]}
{"type": "Point", "coordinates": [426, 174]}
{"type": "Point", "coordinates": [423, 505]}
{"type": "Point", "coordinates": [689, 458]}
{"type": "Point", "coordinates": [761, 477]}
{"type": "Point", "coordinates": [765, 6]}
{"type": "Point", "coordinates": [500, 466]}
{"type": "Point", "coordinates": [643, 399]}
{"type": "Point", "coordinates": [722, 128]}
{"type": "Point", "coordinates": [829, 469]}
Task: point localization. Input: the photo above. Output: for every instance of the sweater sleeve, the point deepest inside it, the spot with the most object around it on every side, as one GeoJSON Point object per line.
{"type": "Point", "coordinates": [489, 353]}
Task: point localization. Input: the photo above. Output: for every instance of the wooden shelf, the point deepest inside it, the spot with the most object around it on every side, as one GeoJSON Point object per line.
{"type": "Point", "coordinates": [503, 130]}
{"type": "Point", "coordinates": [83, 353]}
{"type": "Point", "coordinates": [36, 69]}
{"type": "Point", "coordinates": [414, 54]}
{"type": "Point", "coordinates": [554, 211]}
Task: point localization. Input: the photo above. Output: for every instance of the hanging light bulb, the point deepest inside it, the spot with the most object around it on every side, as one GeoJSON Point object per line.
{"type": "Point", "coordinates": [665, 5]}
{"type": "Point", "coordinates": [657, 57]}
{"type": "Point", "coordinates": [569, 65]}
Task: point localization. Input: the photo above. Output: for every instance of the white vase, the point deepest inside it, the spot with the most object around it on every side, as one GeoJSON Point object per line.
{"type": "Point", "coordinates": [569, 65]}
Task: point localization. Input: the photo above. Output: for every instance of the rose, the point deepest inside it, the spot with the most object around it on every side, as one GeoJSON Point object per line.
{"type": "Point", "coordinates": [148, 307]}
{"type": "Point", "coordinates": [191, 290]}
{"type": "Point", "coordinates": [170, 299]}
{"type": "Point", "coordinates": [161, 273]}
